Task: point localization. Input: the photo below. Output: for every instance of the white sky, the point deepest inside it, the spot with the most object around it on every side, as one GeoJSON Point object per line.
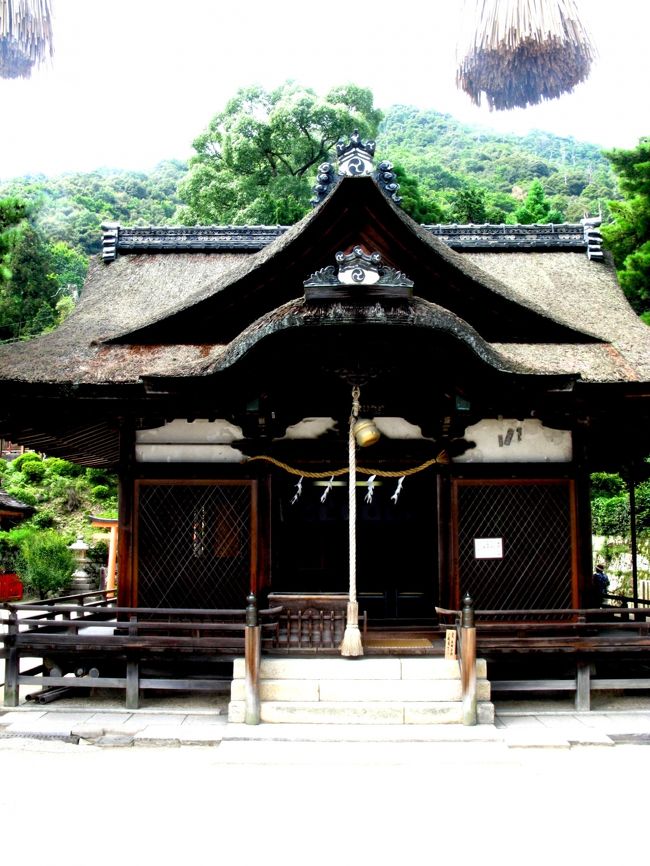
{"type": "Point", "coordinates": [132, 82]}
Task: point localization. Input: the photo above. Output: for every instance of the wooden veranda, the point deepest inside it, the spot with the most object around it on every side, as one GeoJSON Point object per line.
{"type": "Point", "coordinates": [88, 642]}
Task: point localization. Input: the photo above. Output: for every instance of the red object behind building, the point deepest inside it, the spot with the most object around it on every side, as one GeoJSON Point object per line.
{"type": "Point", "coordinates": [11, 587]}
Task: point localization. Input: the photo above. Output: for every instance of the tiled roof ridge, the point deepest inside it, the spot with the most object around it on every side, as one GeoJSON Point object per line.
{"type": "Point", "coordinates": [584, 235]}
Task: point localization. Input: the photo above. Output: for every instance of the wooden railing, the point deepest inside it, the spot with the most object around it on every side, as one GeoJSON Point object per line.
{"type": "Point", "coordinates": [86, 640]}
{"type": "Point", "coordinates": [312, 621]}
{"type": "Point", "coordinates": [587, 634]}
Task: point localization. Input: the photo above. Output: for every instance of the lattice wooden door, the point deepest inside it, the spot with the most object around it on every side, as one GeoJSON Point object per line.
{"type": "Point", "coordinates": [196, 544]}
{"type": "Point", "coordinates": [536, 524]}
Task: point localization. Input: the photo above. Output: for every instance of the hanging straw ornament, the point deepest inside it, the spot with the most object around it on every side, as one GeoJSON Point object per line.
{"type": "Point", "coordinates": [519, 52]}
{"type": "Point", "coordinates": [298, 492]}
{"type": "Point", "coordinates": [351, 645]}
{"type": "Point", "coordinates": [328, 488]}
{"type": "Point", "coordinates": [398, 489]}
{"type": "Point", "coordinates": [25, 36]}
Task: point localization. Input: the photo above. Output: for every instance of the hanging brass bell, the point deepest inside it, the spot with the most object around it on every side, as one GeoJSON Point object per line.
{"type": "Point", "coordinates": [366, 432]}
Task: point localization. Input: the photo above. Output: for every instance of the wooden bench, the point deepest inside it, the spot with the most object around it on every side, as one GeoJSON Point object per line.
{"type": "Point", "coordinates": [113, 647]}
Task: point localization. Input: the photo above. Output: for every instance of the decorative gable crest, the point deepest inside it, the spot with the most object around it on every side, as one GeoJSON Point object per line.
{"type": "Point", "coordinates": [360, 277]}
{"type": "Point", "coordinates": [355, 159]}
{"type": "Point", "coordinates": [358, 267]}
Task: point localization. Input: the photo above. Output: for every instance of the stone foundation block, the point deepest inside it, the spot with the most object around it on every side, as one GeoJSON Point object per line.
{"type": "Point", "coordinates": [390, 690]}
{"type": "Point", "coordinates": [485, 712]}
{"type": "Point", "coordinates": [338, 713]}
{"type": "Point", "coordinates": [439, 713]}
{"type": "Point", "coordinates": [279, 690]}
{"type": "Point", "coordinates": [324, 669]}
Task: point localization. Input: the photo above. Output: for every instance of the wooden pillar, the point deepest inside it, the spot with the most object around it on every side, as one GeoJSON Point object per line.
{"type": "Point", "coordinates": [582, 555]}
{"type": "Point", "coordinates": [468, 661]}
{"type": "Point", "coordinates": [12, 663]}
{"type": "Point", "coordinates": [127, 590]}
{"type": "Point", "coordinates": [132, 671]}
{"type": "Point", "coordinates": [633, 538]}
{"type": "Point", "coordinates": [252, 652]}
{"type": "Point", "coordinates": [583, 686]}
{"type": "Point", "coordinates": [445, 594]}
{"type": "Point", "coordinates": [112, 559]}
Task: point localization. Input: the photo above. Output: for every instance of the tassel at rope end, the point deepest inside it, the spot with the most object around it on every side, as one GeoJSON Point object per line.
{"type": "Point", "coordinates": [351, 645]}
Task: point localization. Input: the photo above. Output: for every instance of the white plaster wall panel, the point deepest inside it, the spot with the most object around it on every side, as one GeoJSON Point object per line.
{"type": "Point", "coordinates": [508, 440]}
{"type": "Point", "coordinates": [181, 431]}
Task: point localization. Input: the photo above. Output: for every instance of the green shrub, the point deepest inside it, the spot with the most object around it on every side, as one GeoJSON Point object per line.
{"type": "Point", "coordinates": [8, 553]}
{"type": "Point", "coordinates": [45, 564]}
{"type": "Point", "coordinates": [611, 516]}
{"type": "Point", "coordinates": [605, 485]}
{"type": "Point", "coordinates": [58, 466]}
{"type": "Point", "coordinates": [100, 491]}
{"type": "Point", "coordinates": [97, 476]}
{"type": "Point", "coordinates": [44, 519]}
{"type": "Point", "coordinates": [643, 507]}
{"type": "Point", "coordinates": [33, 470]}
{"type": "Point", "coordinates": [27, 457]}
{"type": "Point", "coordinates": [21, 492]}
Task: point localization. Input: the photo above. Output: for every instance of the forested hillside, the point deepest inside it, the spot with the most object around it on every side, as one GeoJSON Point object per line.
{"type": "Point", "coordinates": [455, 165]}
{"type": "Point", "coordinates": [448, 157]}
{"type": "Point", "coordinates": [71, 207]}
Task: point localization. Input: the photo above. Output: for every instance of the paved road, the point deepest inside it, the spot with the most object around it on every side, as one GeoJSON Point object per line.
{"type": "Point", "coordinates": [321, 804]}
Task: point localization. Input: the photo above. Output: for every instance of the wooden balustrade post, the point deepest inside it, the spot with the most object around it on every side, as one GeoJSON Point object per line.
{"type": "Point", "coordinates": [583, 686]}
{"type": "Point", "coordinates": [132, 671]}
{"type": "Point", "coordinates": [253, 657]}
{"type": "Point", "coordinates": [12, 662]}
{"type": "Point", "coordinates": [468, 661]}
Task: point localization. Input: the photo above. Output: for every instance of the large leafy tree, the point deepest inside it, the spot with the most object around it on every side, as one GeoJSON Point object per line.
{"type": "Point", "coordinates": [628, 237]}
{"type": "Point", "coordinates": [12, 212]}
{"type": "Point", "coordinates": [536, 208]}
{"type": "Point", "coordinates": [256, 161]}
{"type": "Point", "coordinates": [28, 299]}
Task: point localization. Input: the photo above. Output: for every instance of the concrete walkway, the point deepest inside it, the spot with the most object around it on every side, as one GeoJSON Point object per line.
{"type": "Point", "coordinates": [203, 721]}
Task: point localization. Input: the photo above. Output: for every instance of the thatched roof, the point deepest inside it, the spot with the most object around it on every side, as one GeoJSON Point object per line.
{"type": "Point", "coordinates": [517, 53]}
{"type": "Point", "coordinates": [25, 36]}
{"type": "Point", "coordinates": [180, 313]}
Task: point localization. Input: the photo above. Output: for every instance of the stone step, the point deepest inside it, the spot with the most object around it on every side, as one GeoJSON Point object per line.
{"type": "Point", "coordinates": [353, 712]}
{"type": "Point", "coordinates": [394, 668]}
{"type": "Point", "coordinates": [373, 691]}
{"type": "Point", "coordinates": [360, 690]}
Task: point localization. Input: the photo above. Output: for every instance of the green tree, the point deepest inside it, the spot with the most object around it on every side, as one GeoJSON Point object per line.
{"type": "Point", "coordinates": [419, 205]}
{"type": "Point", "coordinates": [469, 205]}
{"type": "Point", "coordinates": [28, 299]}
{"type": "Point", "coordinates": [256, 161]}
{"type": "Point", "coordinates": [69, 269]}
{"type": "Point", "coordinates": [45, 563]}
{"type": "Point", "coordinates": [536, 208]}
{"type": "Point", "coordinates": [12, 212]}
{"type": "Point", "coordinates": [628, 237]}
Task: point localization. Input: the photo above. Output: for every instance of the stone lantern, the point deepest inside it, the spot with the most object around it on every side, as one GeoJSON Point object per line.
{"type": "Point", "coordinates": [81, 582]}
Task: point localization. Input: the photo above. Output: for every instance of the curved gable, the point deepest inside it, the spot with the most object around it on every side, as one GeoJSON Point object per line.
{"type": "Point", "coordinates": [355, 213]}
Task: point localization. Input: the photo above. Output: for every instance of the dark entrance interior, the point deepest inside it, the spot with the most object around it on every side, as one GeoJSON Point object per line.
{"type": "Point", "coordinates": [397, 557]}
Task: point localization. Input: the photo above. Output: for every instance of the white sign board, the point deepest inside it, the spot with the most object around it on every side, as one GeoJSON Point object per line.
{"type": "Point", "coordinates": [488, 548]}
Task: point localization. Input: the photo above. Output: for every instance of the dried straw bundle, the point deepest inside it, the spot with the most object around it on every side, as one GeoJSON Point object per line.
{"type": "Point", "coordinates": [25, 36]}
{"type": "Point", "coordinates": [520, 52]}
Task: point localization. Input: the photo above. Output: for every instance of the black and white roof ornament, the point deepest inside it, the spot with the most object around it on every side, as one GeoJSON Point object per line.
{"type": "Point", "coordinates": [359, 277]}
{"type": "Point", "coordinates": [593, 237]}
{"type": "Point", "coordinates": [355, 159]}
{"type": "Point", "coordinates": [387, 180]}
